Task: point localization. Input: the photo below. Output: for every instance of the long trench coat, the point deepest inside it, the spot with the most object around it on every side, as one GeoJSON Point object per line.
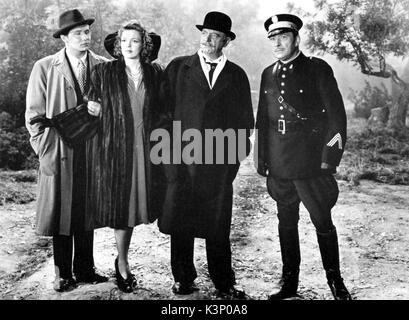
{"type": "Point", "coordinates": [199, 196]}
{"type": "Point", "coordinates": [50, 91]}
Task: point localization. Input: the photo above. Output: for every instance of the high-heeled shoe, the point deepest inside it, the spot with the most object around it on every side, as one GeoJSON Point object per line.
{"type": "Point", "coordinates": [126, 285]}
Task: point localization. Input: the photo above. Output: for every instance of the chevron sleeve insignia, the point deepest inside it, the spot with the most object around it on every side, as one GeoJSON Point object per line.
{"type": "Point", "coordinates": [336, 139]}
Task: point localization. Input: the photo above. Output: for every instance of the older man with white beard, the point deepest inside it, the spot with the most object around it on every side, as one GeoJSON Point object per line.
{"type": "Point", "coordinates": [205, 91]}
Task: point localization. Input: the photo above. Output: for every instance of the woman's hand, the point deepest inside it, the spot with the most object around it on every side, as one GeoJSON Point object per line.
{"type": "Point", "coordinates": [94, 108]}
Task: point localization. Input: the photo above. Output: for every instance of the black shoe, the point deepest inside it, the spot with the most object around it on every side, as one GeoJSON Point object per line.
{"type": "Point", "coordinates": [126, 285]}
{"type": "Point", "coordinates": [338, 289]}
{"type": "Point", "coordinates": [231, 293]}
{"type": "Point", "coordinates": [61, 284]}
{"type": "Point", "coordinates": [92, 277]}
{"type": "Point", "coordinates": [184, 288]}
{"type": "Point", "coordinates": [289, 286]}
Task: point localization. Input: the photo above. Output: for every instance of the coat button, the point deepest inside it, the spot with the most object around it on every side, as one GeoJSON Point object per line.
{"type": "Point", "coordinates": [283, 76]}
{"type": "Point", "coordinates": [282, 116]}
{"type": "Point", "coordinates": [301, 91]}
{"type": "Point", "coordinates": [282, 84]}
{"type": "Point", "coordinates": [285, 69]}
{"type": "Point", "coordinates": [281, 108]}
{"type": "Point", "coordinates": [265, 91]}
{"type": "Point", "coordinates": [282, 91]}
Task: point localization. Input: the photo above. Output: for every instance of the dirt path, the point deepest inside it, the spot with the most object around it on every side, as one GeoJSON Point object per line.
{"type": "Point", "coordinates": [372, 223]}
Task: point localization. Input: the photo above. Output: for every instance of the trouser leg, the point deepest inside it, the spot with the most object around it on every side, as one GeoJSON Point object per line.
{"type": "Point", "coordinates": [83, 253]}
{"type": "Point", "coordinates": [319, 195]}
{"type": "Point", "coordinates": [62, 247]}
{"type": "Point", "coordinates": [181, 258]}
{"type": "Point", "coordinates": [285, 194]}
{"type": "Point", "coordinates": [219, 262]}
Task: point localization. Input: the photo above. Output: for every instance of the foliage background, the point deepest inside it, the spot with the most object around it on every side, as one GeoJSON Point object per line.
{"type": "Point", "coordinates": [26, 35]}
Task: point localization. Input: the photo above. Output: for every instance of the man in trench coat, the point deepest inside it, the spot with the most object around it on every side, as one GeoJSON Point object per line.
{"type": "Point", "coordinates": [205, 91]}
{"type": "Point", "coordinates": [56, 84]}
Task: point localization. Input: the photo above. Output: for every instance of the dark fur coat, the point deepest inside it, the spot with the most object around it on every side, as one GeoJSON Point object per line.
{"type": "Point", "coordinates": [110, 152]}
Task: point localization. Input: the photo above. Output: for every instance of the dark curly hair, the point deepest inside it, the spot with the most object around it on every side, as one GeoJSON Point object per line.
{"type": "Point", "coordinates": [147, 44]}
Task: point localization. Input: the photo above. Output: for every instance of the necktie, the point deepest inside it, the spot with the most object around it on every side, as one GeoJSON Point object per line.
{"type": "Point", "coordinates": [82, 74]}
{"type": "Point", "coordinates": [211, 71]}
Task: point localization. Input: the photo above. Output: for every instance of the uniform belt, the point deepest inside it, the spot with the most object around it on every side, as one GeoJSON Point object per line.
{"type": "Point", "coordinates": [284, 126]}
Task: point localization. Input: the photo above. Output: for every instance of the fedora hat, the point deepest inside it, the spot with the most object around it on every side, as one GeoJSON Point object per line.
{"type": "Point", "coordinates": [217, 21]}
{"type": "Point", "coordinates": [69, 20]}
{"type": "Point", "coordinates": [109, 44]}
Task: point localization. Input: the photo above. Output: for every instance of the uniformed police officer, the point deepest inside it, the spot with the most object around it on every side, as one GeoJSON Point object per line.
{"type": "Point", "coordinates": [301, 124]}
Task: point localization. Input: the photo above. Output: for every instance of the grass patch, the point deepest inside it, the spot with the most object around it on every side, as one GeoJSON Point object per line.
{"type": "Point", "coordinates": [375, 154]}
{"type": "Point", "coordinates": [17, 187]}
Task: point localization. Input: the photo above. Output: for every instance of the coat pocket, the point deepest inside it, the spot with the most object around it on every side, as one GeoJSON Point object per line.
{"type": "Point", "coordinates": [48, 152]}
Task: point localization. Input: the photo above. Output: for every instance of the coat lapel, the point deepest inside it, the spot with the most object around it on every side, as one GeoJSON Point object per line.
{"type": "Point", "coordinates": [195, 72]}
{"type": "Point", "coordinates": [223, 80]}
{"type": "Point", "coordinates": [61, 64]}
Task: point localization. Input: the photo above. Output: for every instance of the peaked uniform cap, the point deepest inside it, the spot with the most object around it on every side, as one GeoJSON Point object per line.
{"type": "Point", "coordinates": [282, 22]}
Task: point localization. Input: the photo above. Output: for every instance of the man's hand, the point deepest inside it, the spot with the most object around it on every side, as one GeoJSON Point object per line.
{"type": "Point", "coordinates": [262, 169]}
{"type": "Point", "coordinates": [94, 108]}
{"type": "Point", "coordinates": [328, 168]}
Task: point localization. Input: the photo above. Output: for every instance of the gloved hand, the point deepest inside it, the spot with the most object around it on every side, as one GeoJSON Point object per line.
{"type": "Point", "coordinates": [43, 121]}
{"type": "Point", "coordinates": [262, 168]}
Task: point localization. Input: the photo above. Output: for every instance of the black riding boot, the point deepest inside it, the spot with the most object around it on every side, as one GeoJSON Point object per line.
{"type": "Point", "coordinates": [328, 243]}
{"type": "Point", "coordinates": [290, 255]}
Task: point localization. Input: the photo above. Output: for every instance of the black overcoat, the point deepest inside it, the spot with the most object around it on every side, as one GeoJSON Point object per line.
{"type": "Point", "coordinates": [199, 196]}
{"type": "Point", "coordinates": [308, 85]}
{"type": "Point", "coordinates": [110, 152]}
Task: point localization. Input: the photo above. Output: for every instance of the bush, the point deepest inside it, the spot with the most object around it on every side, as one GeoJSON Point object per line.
{"type": "Point", "coordinates": [15, 150]}
{"type": "Point", "coordinates": [376, 154]}
{"type": "Point", "coordinates": [369, 98]}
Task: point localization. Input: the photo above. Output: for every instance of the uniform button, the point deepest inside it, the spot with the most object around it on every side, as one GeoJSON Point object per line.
{"type": "Point", "coordinates": [285, 69]}
{"type": "Point", "coordinates": [265, 91]}
{"type": "Point", "coordinates": [282, 116]}
{"type": "Point", "coordinates": [301, 91]}
{"type": "Point", "coordinates": [281, 108]}
{"type": "Point", "coordinates": [283, 76]}
{"type": "Point", "coordinates": [282, 84]}
{"type": "Point", "coordinates": [282, 91]}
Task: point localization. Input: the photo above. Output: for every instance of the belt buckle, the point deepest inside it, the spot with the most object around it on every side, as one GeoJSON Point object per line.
{"type": "Point", "coordinates": [281, 126]}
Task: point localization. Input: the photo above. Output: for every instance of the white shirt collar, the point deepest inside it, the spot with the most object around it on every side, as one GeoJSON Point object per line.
{"type": "Point", "coordinates": [221, 62]}
{"type": "Point", "coordinates": [74, 60]}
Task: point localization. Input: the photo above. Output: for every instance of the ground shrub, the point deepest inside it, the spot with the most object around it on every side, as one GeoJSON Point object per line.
{"type": "Point", "coordinates": [369, 98]}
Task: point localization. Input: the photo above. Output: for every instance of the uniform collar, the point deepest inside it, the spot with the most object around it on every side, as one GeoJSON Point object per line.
{"type": "Point", "coordinates": [291, 64]}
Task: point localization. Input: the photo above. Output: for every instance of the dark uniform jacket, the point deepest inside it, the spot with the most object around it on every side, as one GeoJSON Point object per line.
{"type": "Point", "coordinates": [301, 118]}
{"type": "Point", "coordinates": [199, 197]}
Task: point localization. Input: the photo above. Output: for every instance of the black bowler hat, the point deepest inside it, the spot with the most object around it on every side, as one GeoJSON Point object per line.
{"type": "Point", "coordinates": [282, 23]}
{"type": "Point", "coordinates": [217, 21]}
{"type": "Point", "coordinates": [69, 20]}
{"type": "Point", "coordinates": [109, 44]}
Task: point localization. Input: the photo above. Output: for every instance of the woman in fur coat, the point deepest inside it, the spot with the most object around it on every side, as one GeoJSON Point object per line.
{"type": "Point", "coordinates": [125, 188]}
